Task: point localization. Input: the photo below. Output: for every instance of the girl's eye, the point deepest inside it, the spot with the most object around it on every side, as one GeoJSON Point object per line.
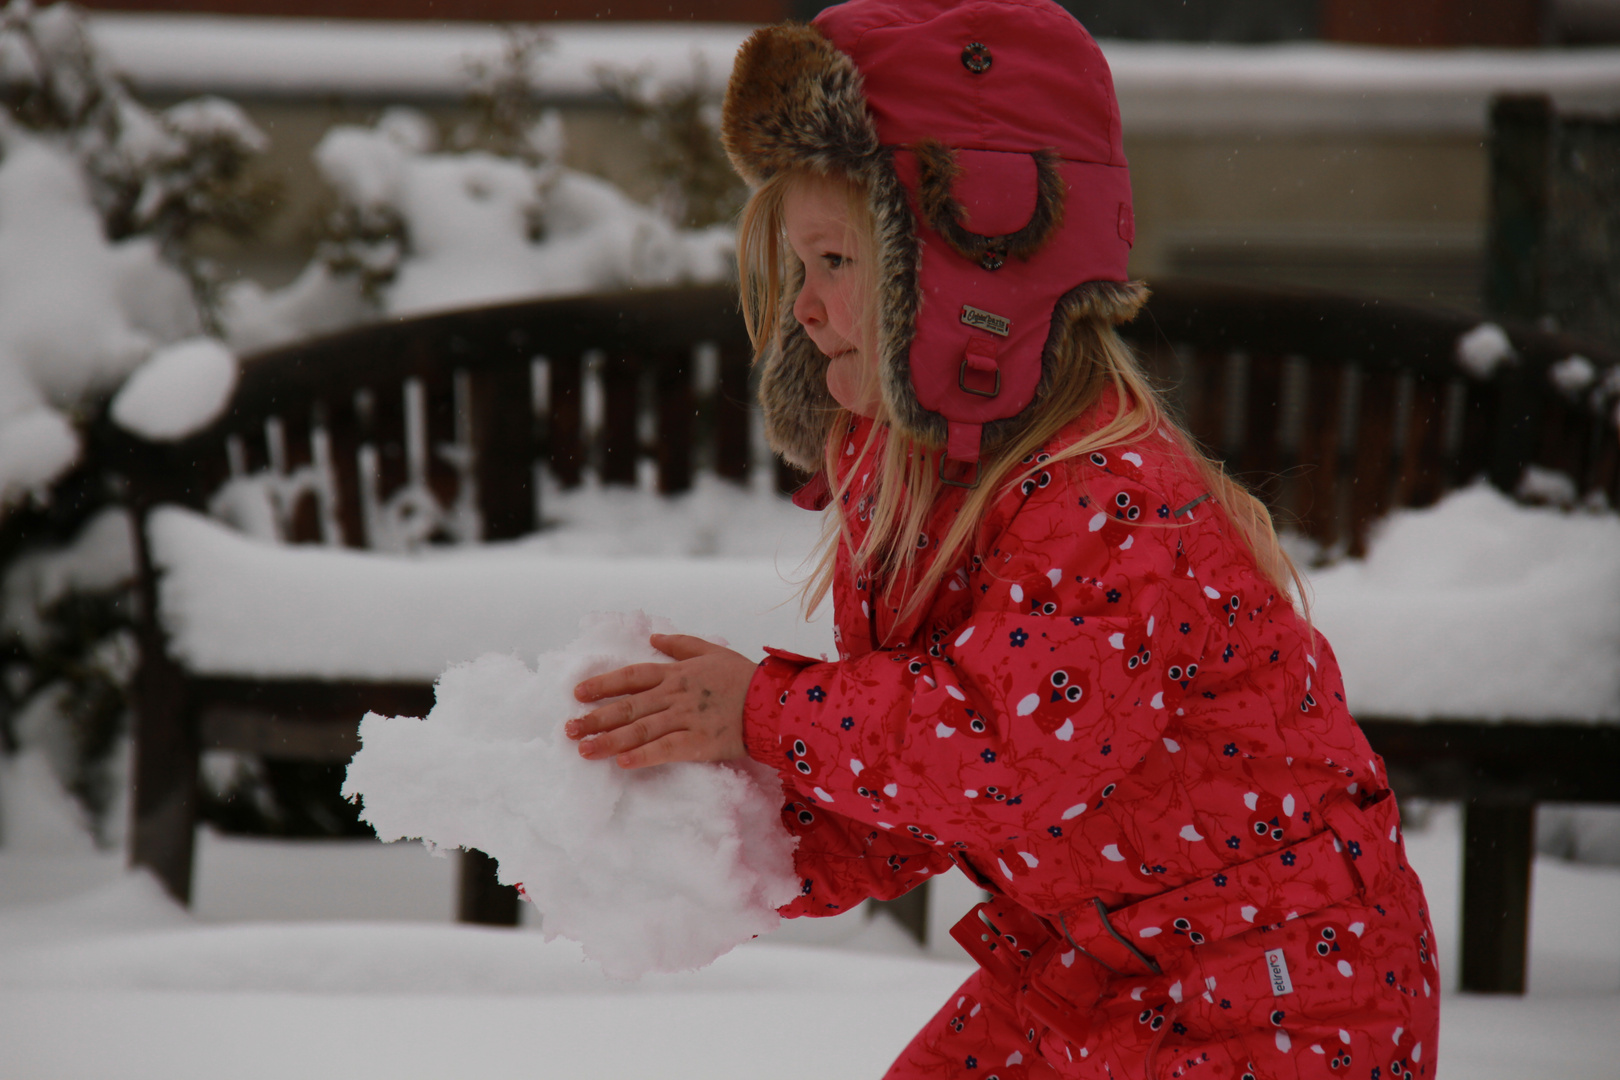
{"type": "Point", "coordinates": [834, 261]}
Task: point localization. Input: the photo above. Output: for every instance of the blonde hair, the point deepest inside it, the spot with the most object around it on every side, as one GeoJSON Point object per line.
{"type": "Point", "coordinates": [1088, 358]}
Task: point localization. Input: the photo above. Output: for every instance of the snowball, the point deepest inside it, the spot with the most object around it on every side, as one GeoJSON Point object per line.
{"type": "Point", "coordinates": [180, 390]}
{"type": "Point", "coordinates": [35, 448]}
{"type": "Point", "coordinates": [1572, 374]}
{"type": "Point", "coordinates": [1483, 349]}
{"type": "Point", "coordinates": [658, 869]}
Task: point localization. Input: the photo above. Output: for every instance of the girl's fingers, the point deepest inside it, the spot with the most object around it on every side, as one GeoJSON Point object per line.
{"type": "Point", "coordinates": [626, 738]}
{"type": "Point", "coordinates": [626, 680]}
{"type": "Point", "coordinates": [675, 746]}
{"type": "Point", "coordinates": [683, 646]}
{"type": "Point", "coordinates": [615, 714]}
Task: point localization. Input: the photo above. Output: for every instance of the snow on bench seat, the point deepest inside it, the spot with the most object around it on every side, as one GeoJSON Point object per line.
{"type": "Point", "coordinates": [235, 606]}
{"type": "Point", "coordinates": [1476, 608]}
{"type": "Point", "coordinates": [1481, 609]}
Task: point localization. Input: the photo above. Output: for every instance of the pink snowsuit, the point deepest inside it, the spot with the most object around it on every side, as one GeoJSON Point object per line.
{"type": "Point", "coordinates": [1105, 714]}
{"type": "Point", "coordinates": [1108, 703]}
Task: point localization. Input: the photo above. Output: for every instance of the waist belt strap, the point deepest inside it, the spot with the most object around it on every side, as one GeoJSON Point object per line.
{"type": "Point", "coordinates": [1295, 880]}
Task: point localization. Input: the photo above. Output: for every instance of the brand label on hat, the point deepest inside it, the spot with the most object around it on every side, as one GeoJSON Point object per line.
{"type": "Point", "coordinates": [986, 321]}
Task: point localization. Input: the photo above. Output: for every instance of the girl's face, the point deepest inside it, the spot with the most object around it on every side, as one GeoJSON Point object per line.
{"type": "Point", "coordinates": [833, 305]}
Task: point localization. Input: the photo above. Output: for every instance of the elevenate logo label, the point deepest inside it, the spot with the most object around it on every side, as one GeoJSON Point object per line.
{"type": "Point", "coordinates": [1277, 968]}
{"type": "Point", "coordinates": [986, 321]}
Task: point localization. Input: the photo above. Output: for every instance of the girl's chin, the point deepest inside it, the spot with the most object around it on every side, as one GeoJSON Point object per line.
{"type": "Point", "coordinates": [849, 388]}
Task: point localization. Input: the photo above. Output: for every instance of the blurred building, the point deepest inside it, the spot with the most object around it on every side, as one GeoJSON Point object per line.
{"type": "Point", "coordinates": [1331, 143]}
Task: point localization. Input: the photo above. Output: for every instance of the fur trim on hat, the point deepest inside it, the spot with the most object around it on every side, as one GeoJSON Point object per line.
{"type": "Point", "coordinates": [937, 173]}
{"type": "Point", "coordinates": [795, 102]}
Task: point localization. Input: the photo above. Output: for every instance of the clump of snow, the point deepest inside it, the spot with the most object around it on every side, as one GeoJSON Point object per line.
{"type": "Point", "coordinates": [431, 231]}
{"type": "Point", "coordinates": [1480, 608]}
{"type": "Point", "coordinates": [659, 869]}
{"type": "Point", "coordinates": [99, 559]}
{"type": "Point", "coordinates": [1549, 487]}
{"type": "Point", "coordinates": [1572, 374]}
{"type": "Point", "coordinates": [179, 390]}
{"type": "Point", "coordinates": [36, 815]}
{"type": "Point", "coordinates": [36, 446]}
{"type": "Point", "coordinates": [77, 313]}
{"type": "Point", "coordinates": [1483, 349]}
{"type": "Point", "coordinates": [1585, 834]}
{"type": "Point", "coordinates": [316, 302]}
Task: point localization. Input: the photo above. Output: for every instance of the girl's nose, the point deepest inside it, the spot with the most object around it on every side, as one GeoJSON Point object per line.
{"type": "Point", "coordinates": [808, 308]}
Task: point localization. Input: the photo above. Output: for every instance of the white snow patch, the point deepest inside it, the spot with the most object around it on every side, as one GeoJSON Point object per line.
{"type": "Point", "coordinates": [660, 869]}
{"type": "Point", "coordinates": [1483, 349]}
{"type": "Point", "coordinates": [36, 446]}
{"type": "Point", "coordinates": [181, 389]}
{"type": "Point", "coordinates": [1478, 607]}
{"type": "Point", "coordinates": [100, 558]}
{"type": "Point", "coordinates": [1572, 374]}
{"type": "Point", "coordinates": [234, 605]}
{"type": "Point", "coordinates": [77, 314]}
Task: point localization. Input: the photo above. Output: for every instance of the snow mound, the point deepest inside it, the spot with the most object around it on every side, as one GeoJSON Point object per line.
{"type": "Point", "coordinates": [178, 391]}
{"type": "Point", "coordinates": [1480, 608]}
{"type": "Point", "coordinates": [1483, 349]}
{"type": "Point", "coordinates": [659, 869]}
{"type": "Point", "coordinates": [36, 446]}
{"type": "Point", "coordinates": [77, 313]}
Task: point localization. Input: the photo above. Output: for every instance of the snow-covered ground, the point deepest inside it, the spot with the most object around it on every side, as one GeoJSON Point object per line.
{"type": "Point", "coordinates": [337, 959]}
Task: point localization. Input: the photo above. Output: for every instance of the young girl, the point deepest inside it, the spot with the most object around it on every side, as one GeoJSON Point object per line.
{"type": "Point", "coordinates": [1069, 661]}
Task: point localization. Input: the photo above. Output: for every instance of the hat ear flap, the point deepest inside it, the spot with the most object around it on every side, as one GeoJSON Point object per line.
{"type": "Point", "coordinates": [938, 173]}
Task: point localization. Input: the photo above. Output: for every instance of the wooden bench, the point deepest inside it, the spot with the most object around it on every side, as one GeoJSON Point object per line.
{"type": "Point", "coordinates": [431, 428]}
{"type": "Point", "coordinates": [1338, 409]}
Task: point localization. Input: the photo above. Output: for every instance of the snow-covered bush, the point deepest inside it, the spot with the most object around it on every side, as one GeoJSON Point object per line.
{"type": "Point", "coordinates": [419, 229]}
{"type": "Point", "coordinates": [491, 214]}
{"type": "Point", "coordinates": [98, 196]}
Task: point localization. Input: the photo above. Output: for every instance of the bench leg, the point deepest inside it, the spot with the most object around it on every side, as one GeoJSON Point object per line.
{"type": "Point", "coordinates": [910, 911]}
{"type": "Point", "coordinates": [164, 811]}
{"type": "Point", "coordinates": [482, 899]}
{"type": "Point", "coordinates": [1498, 849]}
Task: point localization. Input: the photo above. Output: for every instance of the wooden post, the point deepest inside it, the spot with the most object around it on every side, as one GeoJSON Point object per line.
{"type": "Point", "coordinates": [1581, 286]}
{"type": "Point", "coordinates": [677, 407]}
{"type": "Point", "coordinates": [565, 427]}
{"type": "Point", "coordinates": [481, 898]}
{"type": "Point", "coordinates": [1498, 850]}
{"type": "Point", "coordinates": [910, 911]}
{"type": "Point", "coordinates": [621, 439]}
{"type": "Point", "coordinates": [503, 449]}
{"type": "Point", "coordinates": [732, 449]}
{"type": "Point", "coordinates": [164, 796]}
{"type": "Point", "coordinates": [1521, 159]}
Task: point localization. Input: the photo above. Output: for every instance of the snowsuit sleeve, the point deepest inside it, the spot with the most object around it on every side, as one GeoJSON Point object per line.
{"type": "Point", "coordinates": [1036, 698]}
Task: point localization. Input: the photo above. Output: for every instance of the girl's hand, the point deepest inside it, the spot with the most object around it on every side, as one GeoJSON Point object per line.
{"type": "Point", "coordinates": [691, 710]}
